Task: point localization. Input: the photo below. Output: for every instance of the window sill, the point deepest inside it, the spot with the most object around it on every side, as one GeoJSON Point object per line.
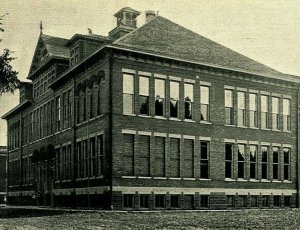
{"type": "Point", "coordinates": [129, 114]}
{"type": "Point", "coordinates": [174, 119]}
{"type": "Point", "coordinates": [243, 127]}
{"type": "Point", "coordinates": [204, 179]}
{"type": "Point", "coordinates": [189, 178]}
{"type": "Point", "coordinates": [160, 178]}
{"type": "Point", "coordinates": [265, 181]}
{"type": "Point", "coordinates": [144, 177]}
{"type": "Point", "coordinates": [266, 129]}
{"type": "Point", "coordinates": [242, 180]}
{"type": "Point", "coordinates": [276, 181]}
{"type": "Point", "coordinates": [189, 120]}
{"type": "Point", "coordinates": [174, 178]}
{"type": "Point", "coordinates": [276, 130]}
{"type": "Point", "coordinates": [229, 179]}
{"type": "Point", "coordinates": [253, 180]}
{"type": "Point", "coordinates": [145, 116]}
{"type": "Point", "coordinates": [160, 117]}
{"type": "Point", "coordinates": [129, 177]}
{"type": "Point", "coordinates": [253, 127]}
{"type": "Point", "coordinates": [287, 181]}
{"type": "Point", "coordinates": [228, 125]}
{"type": "Point", "coordinates": [287, 131]}
{"type": "Point", "coordinates": [205, 122]}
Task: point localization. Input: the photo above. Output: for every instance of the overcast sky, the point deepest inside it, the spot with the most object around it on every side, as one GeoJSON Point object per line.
{"type": "Point", "coordinates": [267, 31]}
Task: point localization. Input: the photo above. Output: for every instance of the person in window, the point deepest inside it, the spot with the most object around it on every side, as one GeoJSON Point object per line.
{"type": "Point", "coordinates": [188, 108]}
{"type": "Point", "coordinates": [159, 106]}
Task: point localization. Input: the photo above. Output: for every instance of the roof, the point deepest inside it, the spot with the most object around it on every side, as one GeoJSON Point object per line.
{"type": "Point", "coordinates": [95, 37]}
{"type": "Point", "coordinates": [17, 109]}
{"type": "Point", "coordinates": [56, 46]}
{"type": "Point", "coordinates": [162, 37]}
{"type": "Point", "coordinates": [127, 9]}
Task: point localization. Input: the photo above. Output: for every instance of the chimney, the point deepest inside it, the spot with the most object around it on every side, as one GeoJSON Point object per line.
{"type": "Point", "coordinates": [126, 22]}
{"type": "Point", "coordinates": [150, 14]}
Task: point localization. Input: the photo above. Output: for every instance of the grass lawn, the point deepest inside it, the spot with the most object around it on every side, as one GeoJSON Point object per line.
{"type": "Point", "coordinates": [241, 219]}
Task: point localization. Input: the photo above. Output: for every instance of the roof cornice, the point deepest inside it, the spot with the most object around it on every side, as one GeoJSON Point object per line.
{"type": "Point", "coordinates": [17, 109]}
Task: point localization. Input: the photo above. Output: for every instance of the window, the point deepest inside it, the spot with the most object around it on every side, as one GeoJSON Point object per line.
{"type": "Point", "coordinates": [57, 113]}
{"type": "Point", "coordinates": [65, 111]}
{"type": "Point", "coordinates": [93, 166]}
{"type": "Point", "coordinates": [69, 107]}
{"type": "Point", "coordinates": [253, 160]}
{"type": "Point", "coordinates": [79, 161]}
{"type": "Point", "coordinates": [287, 201]}
{"type": "Point", "coordinates": [253, 109]}
{"type": "Point", "coordinates": [128, 154]}
{"type": "Point", "coordinates": [229, 107]}
{"type": "Point", "coordinates": [159, 201]}
{"type": "Point", "coordinates": [128, 201]}
{"type": "Point", "coordinates": [144, 201]}
{"type": "Point", "coordinates": [243, 201]}
{"type": "Point", "coordinates": [287, 114]}
{"type": "Point", "coordinates": [128, 92]}
{"type": "Point", "coordinates": [275, 113]}
{"type": "Point", "coordinates": [264, 111]}
{"type": "Point", "coordinates": [265, 201]}
{"type": "Point", "coordinates": [241, 109]}
{"type": "Point", "coordinates": [188, 158]}
{"type": "Point", "coordinates": [286, 163]}
{"type": "Point", "coordinates": [100, 154]}
{"type": "Point", "coordinates": [174, 99]}
{"type": "Point", "coordinates": [276, 200]}
{"type": "Point", "coordinates": [204, 103]}
{"type": "Point", "coordinates": [159, 97]}
{"type": "Point", "coordinates": [144, 155]}
{"type": "Point", "coordinates": [188, 202]}
{"type": "Point", "coordinates": [144, 95]}
{"type": "Point", "coordinates": [230, 201]}
{"type": "Point", "coordinates": [241, 161]}
{"type": "Point", "coordinates": [188, 100]}
{"type": "Point", "coordinates": [204, 201]}
{"type": "Point", "coordinates": [204, 159]}
{"type": "Point", "coordinates": [174, 201]}
{"type": "Point", "coordinates": [175, 157]}
{"type": "Point", "coordinates": [85, 154]}
{"type": "Point", "coordinates": [264, 162]}
{"type": "Point", "coordinates": [254, 201]}
{"type": "Point", "coordinates": [57, 164]}
{"type": "Point", "coordinates": [159, 156]}
{"type": "Point", "coordinates": [275, 163]}
{"type": "Point", "coordinates": [228, 160]}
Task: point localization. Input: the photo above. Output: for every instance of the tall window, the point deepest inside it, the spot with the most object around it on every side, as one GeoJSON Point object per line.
{"type": "Point", "coordinates": [128, 92]}
{"type": "Point", "coordinates": [69, 107]}
{"type": "Point", "coordinates": [93, 166]}
{"type": "Point", "coordinates": [241, 109]}
{"type": "Point", "coordinates": [286, 163]}
{"type": "Point", "coordinates": [264, 162]}
{"type": "Point", "coordinates": [253, 109]}
{"type": "Point", "coordinates": [275, 163]}
{"type": "Point", "coordinates": [253, 160]}
{"type": "Point", "coordinates": [275, 112]}
{"type": "Point", "coordinates": [241, 161]}
{"type": "Point", "coordinates": [159, 156]}
{"type": "Point", "coordinates": [100, 154]}
{"type": "Point", "coordinates": [128, 154]}
{"type": "Point", "coordinates": [188, 100]}
{"type": "Point", "coordinates": [204, 103]}
{"type": "Point", "coordinates": [188, 158]}
{"type": "Point", "coordinates": [228, 160]}
{"type": "Point", "coordinates": [286, 114]}
{"type": "Point", "coordinates": [58, 114]}
{"type": "Point", "coordinates": [65, 111]}
{"type": "Point", "coordinates": [229, 107]}
{"type": "Point", "coordinates": [144, 155]}
{"type": "Point", "coordinates": [174, 99]}
{"type": "Point", "coordinates": [144, 95]}
{"type": "Point", "coordinates": [86, 158]}
{"type": "Point", "coordinates": [204, 159]}
{"type": "Point", "coordinates": [264, 111]}
{"type": "Point", "coordinates": [175, 157]}
{"type": "Point", "coordinates": [159, 97]}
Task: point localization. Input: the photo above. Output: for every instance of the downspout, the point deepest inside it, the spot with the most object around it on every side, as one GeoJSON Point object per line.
{"type": "Point", "coordinates": [74, 108]}
{"type": "Point", "coordinates": [7, 163]}
{"type": "Point", "coordinates": [21, 152]}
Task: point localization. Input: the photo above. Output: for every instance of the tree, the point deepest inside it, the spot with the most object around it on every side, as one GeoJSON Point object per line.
{"type": "Point", "coordinates": [8, 77]}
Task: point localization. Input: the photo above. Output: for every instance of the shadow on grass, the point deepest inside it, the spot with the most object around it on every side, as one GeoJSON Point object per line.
{"type": "Point", "coordinates": [25, 213]}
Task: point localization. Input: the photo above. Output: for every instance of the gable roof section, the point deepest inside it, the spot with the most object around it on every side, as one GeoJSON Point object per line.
{"type": "Point", "coordinates": [55, 47]}
{"type": "Point", "coordinates": [163, 37]}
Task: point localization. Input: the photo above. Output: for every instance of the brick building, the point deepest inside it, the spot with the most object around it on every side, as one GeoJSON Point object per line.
{"type": "Point", "coordinates": [152, 117]}
{"type": "Point", "coordinates": [3, 153]}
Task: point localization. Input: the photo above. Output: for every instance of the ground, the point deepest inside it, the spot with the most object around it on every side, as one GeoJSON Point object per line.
{"type": "Point", "coordinates": [237, 219]}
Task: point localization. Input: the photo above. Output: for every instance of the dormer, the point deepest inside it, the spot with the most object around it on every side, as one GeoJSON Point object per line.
{"type": "Point", "coordinates": [126, 22]}
{"type": "Point", "coordinates": [25, 91]}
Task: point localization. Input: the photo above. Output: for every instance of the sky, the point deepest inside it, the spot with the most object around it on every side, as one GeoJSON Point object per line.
{"type": "Point", "coordinates": [267, 31]}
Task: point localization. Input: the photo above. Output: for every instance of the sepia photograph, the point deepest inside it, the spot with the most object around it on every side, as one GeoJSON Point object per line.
{"type": "Point", "coordinates": [135, 114]}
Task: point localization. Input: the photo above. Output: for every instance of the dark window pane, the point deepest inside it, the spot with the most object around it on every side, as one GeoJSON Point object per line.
{"type": "Point", "coordinates": [228, 169]}
{"type": "Point", "coordinates": [174, 201]}
{"type": "Point", "coordinates": [228, 151]}
{"type": "Point", "coordinates": [144, 105]}
{"type": "Point", "coordinates": [159, 106]}
{"type": "Point", "coordinates": [240, 169]}
{"type": "Point", "coordinates": [173, 108]}
{"type": "Point", "coordinates": [264, 171]}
